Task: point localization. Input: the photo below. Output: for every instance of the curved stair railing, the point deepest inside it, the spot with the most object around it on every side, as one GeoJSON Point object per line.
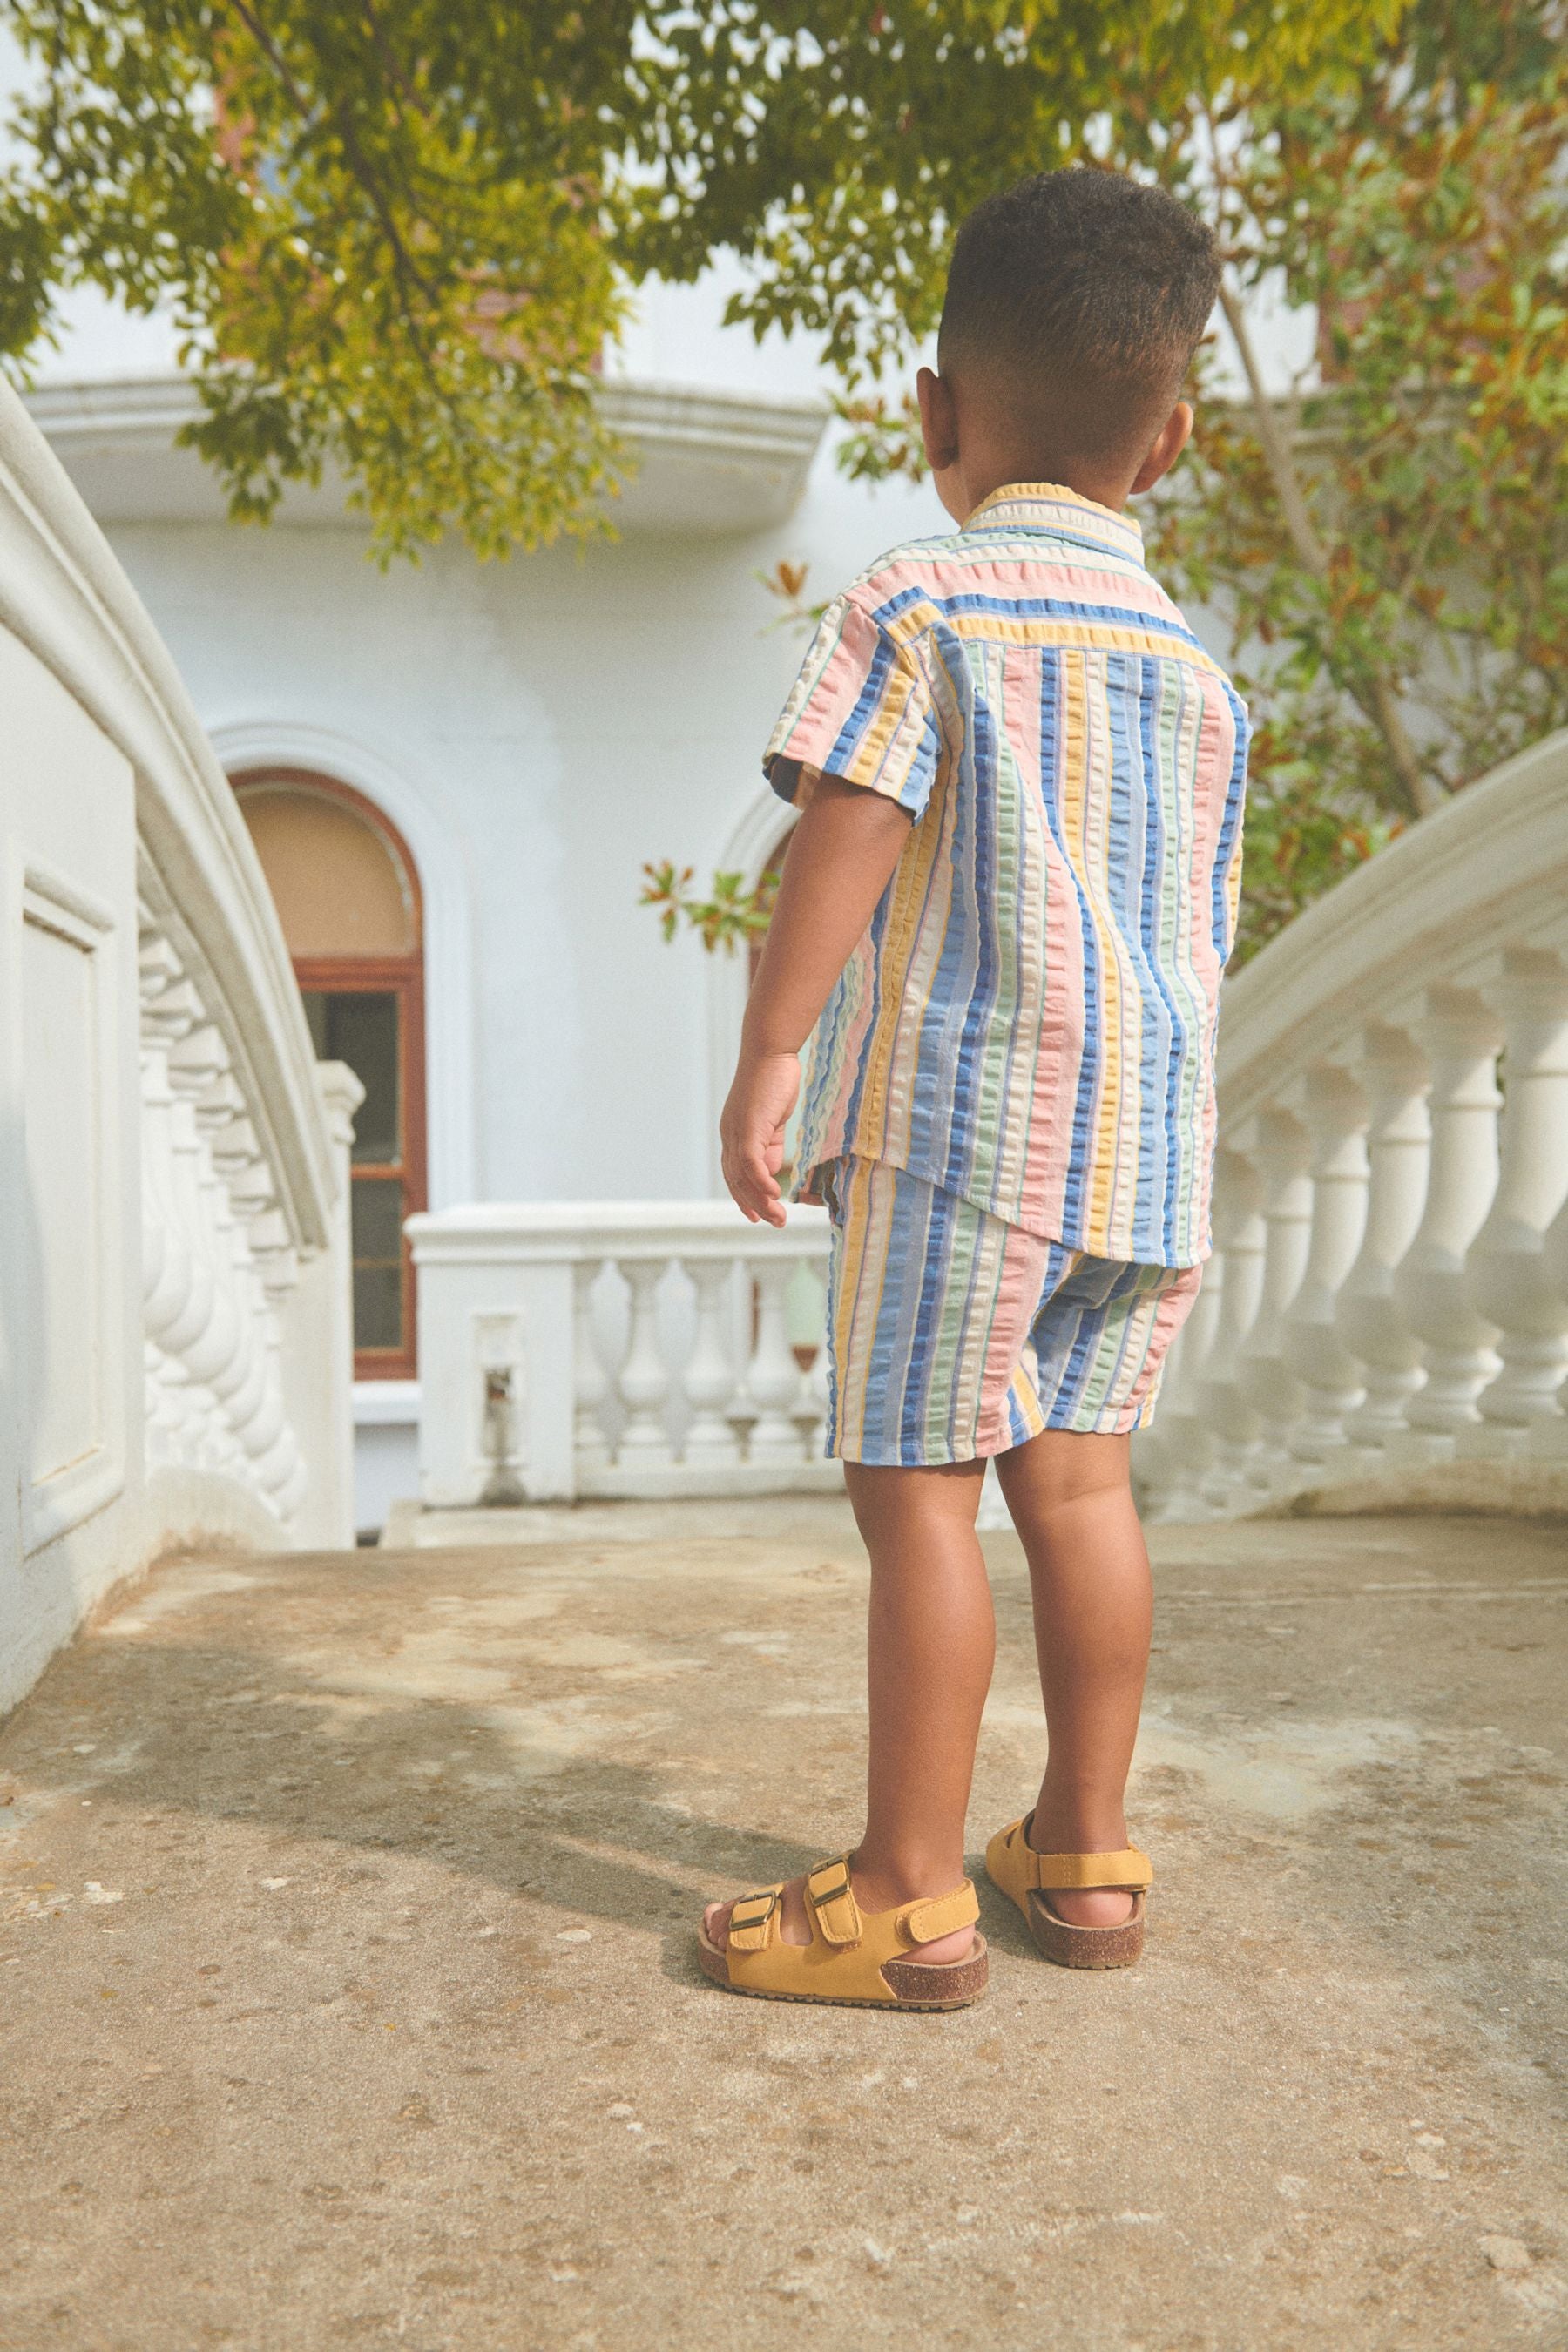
{"type": "Point", "coordinates": [1389, 1287]}
{"type": "Point", "coordinates": [175, 1359]}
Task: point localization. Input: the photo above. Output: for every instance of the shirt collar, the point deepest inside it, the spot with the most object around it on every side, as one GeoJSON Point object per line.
{"type": "Point", "coordinates": [1046, 506]}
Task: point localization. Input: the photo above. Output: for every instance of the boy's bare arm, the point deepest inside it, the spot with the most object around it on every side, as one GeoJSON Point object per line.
{"type": "Point", "coordinates": [841, 856]}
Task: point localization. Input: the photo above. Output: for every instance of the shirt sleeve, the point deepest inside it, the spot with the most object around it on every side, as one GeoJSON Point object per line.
{"type": "Point", "coordinates": [860, 709]}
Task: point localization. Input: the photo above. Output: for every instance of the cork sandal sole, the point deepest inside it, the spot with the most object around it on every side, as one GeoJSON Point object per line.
{"type": "Point", "coordinates": [1059, 1940]}
{"type": "Point", "coordinates": [916, 1984]}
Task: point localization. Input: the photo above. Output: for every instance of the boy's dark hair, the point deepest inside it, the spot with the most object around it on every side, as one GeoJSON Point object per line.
{"type": "Point", "coordinates": [1083, 296]}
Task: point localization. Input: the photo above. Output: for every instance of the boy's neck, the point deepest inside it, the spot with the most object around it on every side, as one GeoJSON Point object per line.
{"type": "Point", "coordinates": [1109, 490]}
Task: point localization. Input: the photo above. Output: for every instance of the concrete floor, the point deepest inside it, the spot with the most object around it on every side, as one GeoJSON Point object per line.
{"type": "Point", "coordinates": [347, 1996]}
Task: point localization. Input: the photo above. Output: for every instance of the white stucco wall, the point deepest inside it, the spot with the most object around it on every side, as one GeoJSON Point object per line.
{"type": "Point", "coordinates": [561, 719]}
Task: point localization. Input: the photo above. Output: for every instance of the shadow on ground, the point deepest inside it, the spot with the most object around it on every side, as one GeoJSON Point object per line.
{"type": "Point", "coordinates": [347, 1991]}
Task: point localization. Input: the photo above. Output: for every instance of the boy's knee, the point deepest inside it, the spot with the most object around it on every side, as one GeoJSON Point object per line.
{"type": "Point", "coordinates": [883, 1495]}
{"type": "Point", "coordinates": [1066, 1465]}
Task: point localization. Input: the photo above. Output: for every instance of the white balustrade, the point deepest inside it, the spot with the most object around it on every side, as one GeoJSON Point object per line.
{"type": "Point", "coordinates": [1335, 1113]}
{"type": "Point", "coordinates": [1368, 1317]}
{"type": "Point", "coordinates": [705, 1396]}
{"type": "Point", "coordinates": [1230, 1412]}
{"type": "Point", "coordinates": [1391, 1210]}
{"type": "Point", "coordinates": [1283, 1150]}
{"type": "Point", "coordinates": [219, 1262]}
{"type": "Point", "coordinates": [175, 1261]}
{"type": "Point", "coordinates": [1461, 1034]}
{"type": "Point", "coordinates": [1508, 1277]}
{"type": "Point", "coordinates": [590, 1381]}
{"type": "Point", "coordinates": [1546, 1438]}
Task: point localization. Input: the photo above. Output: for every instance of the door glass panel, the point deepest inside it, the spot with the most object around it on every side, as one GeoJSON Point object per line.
{"type": "Point", "coordinates": [359, 1026]}
{"type": "Point", "coordinates": [377, 1228]}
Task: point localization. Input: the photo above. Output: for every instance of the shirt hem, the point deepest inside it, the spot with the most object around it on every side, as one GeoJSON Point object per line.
{"type": "Point", "coordinates": [807, 1187]}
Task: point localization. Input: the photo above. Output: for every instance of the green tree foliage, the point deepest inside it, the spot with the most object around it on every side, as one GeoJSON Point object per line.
{"type": "Point", "coordinates": [397, 236]}
{"type": "Point", "coordinates": [1389, 542]}
{"type": "Point", "coordinates": [732, 916]}
{"type": "Point", "coordinates": [380, 229]}
{"type": "Point", "coordinates": [394, 233]}
{"type": "Point", "coordinates": [1392, 543]}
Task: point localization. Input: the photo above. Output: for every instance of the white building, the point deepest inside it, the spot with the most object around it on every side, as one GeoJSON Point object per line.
{"type": "Point", "coordinates": [453, 777]}
{"type": "Point", "coordinates": [455, 774]}
{"type": "Point", "coordinates": [521, 737]}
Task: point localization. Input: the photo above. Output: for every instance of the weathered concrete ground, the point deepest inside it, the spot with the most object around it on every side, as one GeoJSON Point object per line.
{"type": "Point", "coordinates": [347, 1994]}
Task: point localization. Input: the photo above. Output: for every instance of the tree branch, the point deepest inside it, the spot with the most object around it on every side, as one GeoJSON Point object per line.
{"type": "Point", "coordinates": [1376, 696]}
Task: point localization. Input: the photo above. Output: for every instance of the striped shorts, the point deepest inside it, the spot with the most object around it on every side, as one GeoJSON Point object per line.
{"type": "Point", "coordinates": [952, 1334]}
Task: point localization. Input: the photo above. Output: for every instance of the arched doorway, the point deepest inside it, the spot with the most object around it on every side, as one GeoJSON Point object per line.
{"type": "Point", "coordinates": [347, 893]}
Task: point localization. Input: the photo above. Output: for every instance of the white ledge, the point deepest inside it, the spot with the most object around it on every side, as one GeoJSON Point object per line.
{"type": "Point", "coordinates": [1485, 872]}
{"type": "Point", "coordinates": [707, 463]}
{"type": "Point", "coordinates": [568, 1231]}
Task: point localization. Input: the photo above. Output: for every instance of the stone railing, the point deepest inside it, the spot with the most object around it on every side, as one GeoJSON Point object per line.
{"type": "Point", "coordinates": [655, 1347]}
{"type": "Point", "coordinates": [1389, 1287]}
{"type": "Point", "coordinates": [220, 1260]}
{"type": "Point", "coordinates": [176, 1360]}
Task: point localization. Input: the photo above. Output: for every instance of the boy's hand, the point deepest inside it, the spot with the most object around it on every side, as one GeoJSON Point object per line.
{"type": "Point", "coordinates": [751, 1132]}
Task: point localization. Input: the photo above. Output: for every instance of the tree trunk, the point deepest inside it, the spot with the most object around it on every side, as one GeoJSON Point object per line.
{"type": "Point", "coordinates": [1376, 696]}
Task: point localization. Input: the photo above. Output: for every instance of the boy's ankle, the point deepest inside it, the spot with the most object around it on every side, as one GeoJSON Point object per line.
{"type": "Point", "coordinates": [1060, 1829]}
{"type": "Point", "coordinates": [883, 1881]}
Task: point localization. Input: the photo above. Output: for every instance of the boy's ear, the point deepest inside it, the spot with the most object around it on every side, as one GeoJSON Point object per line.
{"type": "Point", "coordinates": [1166, 448]}
{"type": "Point", "coordinates": [939, 420]}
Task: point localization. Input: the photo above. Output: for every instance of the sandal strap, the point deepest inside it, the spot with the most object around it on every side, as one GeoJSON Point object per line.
{"type": "Point", "coordinates": [940, 1914]}
{"type": "Point", "coordinates": [1128, 1869]}
{"type": "Point", "coordinates": [835, 1912]}
{"type": "Point", "coordinates": [754, 1918]}
{"type": "Point", "coordinates": [751, 1918]}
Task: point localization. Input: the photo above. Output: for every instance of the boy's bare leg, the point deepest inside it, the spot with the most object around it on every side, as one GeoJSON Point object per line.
{"type": "Point", "coordinates": [932, 1646]}
{"type": "Point", "coordinates": [1072, 1505]}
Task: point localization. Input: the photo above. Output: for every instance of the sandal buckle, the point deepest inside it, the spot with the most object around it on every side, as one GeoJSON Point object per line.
{"type": "Point", "coordinates": [829, 1894]}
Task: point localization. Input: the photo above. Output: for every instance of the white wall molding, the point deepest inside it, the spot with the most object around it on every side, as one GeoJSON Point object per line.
{"type": "Point", "coordinates": [706, 462]}
{"type": "Point", "coordinates": [414, 808]}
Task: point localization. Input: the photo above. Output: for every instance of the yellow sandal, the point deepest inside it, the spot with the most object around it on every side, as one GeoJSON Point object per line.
{"type": "Point", "coordinates": [854, 1956]}
{"type": "Point", "coordinates": [1013, 1866]}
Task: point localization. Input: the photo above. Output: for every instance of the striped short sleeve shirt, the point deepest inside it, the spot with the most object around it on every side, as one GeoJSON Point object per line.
{"type": "Point", "coordinates": [1029, 1021]}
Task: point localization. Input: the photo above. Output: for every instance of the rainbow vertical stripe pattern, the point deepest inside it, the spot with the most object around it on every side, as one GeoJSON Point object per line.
{"type": "Point", "coordinates": [1029, 1021]}
{"type": "Point", "coordinates": [952, 1334]}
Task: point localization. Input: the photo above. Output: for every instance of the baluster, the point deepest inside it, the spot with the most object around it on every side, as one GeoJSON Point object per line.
{"type": "Point", "coordinates": [1335, 1114]}
{"type": "Point", "coordinates": [1368, 1316]}
{"type": "Point", "coordinates": [276, 1470]}
{"type": "Point", "coordinates": [169, 1009]}
{"type": "Point", "coordinates": [237, 1385]}
{"type": "Point", "coordinates": [1156, 1463]}
{"type": "Point", "coordinates": [711, 1375]}
{"type": "Point", "coordinates": [197, 1067]}
{"type": "Point", "coordinates": [1546, 1438]}
{"type": "Point", "coordinates": [1461, 1035]}
{"type": "Point", "coordinates": [1240, 1231]}
{"type": "Point", "coordinates": [772, 1376]}
{"type": "Point", "coordinates": [248, 1184]}
{"type": "Point", "coordinates": [645, 1375]}
{"type": "Point", "coordinates": [1284, 1148]}
{"type": "Point", "coordinates": [1509, 1279]}
{"type": "Point", "coordinates": [1179, 1465]}
{"type": "Point", "coordinates": [186, 1330]}
{"type": "Point", "coordinates": [590, 1446]}
{"type": "Point", "coordinates": [812, 1405]}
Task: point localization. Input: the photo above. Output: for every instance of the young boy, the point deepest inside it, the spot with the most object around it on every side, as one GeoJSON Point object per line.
{"type": "Point", "coordinates": [1004, 914]}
